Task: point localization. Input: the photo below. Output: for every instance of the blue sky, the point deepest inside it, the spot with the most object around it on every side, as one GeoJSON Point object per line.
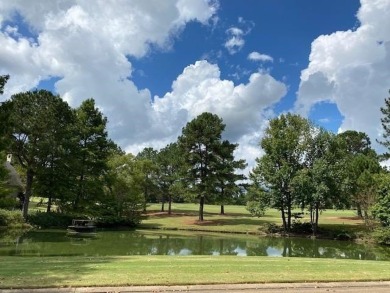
{"type": "Point", "coordinates": [154, 65]}
{"type": "Point", "coordinates": [282, 29]}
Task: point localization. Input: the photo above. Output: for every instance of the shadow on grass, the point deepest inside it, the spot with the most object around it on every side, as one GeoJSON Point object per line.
{"type": "Point", "coordinates": [44, 272]}
{"type": "Point", "coordinates": [231, 222]}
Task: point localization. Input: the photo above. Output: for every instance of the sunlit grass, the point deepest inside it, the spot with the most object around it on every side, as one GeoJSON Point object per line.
{"type": "Point", "coordinates": [30, 272]}
{"type": "Point", "coordinates": [237, 219]}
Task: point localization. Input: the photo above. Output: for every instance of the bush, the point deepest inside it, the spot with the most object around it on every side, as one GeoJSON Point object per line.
{"type": "Point", "coordinates": [50, 220]}
{"type": "Point", "coordinates": [381, 210]}
{"type": "Point", "coordinates": [382, 236]}
{"type": "Point", "coordinates": [110, 221]}
{"type": "Point", "coordinates": [256, 209]}
{"type": "Point", "coordinates": [273, 228]}
{"type": "Point", "coordinates": [299, 227]}
{"type": "Point", "coordinates": [11, 218]}
{"type": "Point", "coordinates": [343, 235]}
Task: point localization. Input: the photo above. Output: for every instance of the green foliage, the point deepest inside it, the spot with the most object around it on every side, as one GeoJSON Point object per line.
{"type": "Point", "coordinates": [227, 187]}
{"type": "Point", "coordinates": [381, 208]}
{"type": "Point", "coordinates": [131, 220]}
{"type": "Point", "coordinates": [124, 187]}
{"type": "Point", "coordinates": [272, 228]}
{"type": "Point", "coordinates": [209, 165]}
{"type": "Point", "coordinates": [361, 165]}
{"type": "Point", "coordinates": [200, 144]}
{"type": "Point", "coordinates": [8, 202]}
{"type": "Point", "coordinates": [301, 227]}
{"type": "Point", "coordinates": [91, 154]}
{"type": "Point", "coordinates": [50, 220]}
{"type": "Point", "coordinates": [285, 145]}
{"type": "Point", "coordinates": [170, 163]}
{"type": "Point", "coordinates": [382, 236]}
{"type": "Point", "coordinates": [147, 172]}
{"type": "Point", "coordinates": [11, 218]}
{"type": "Point", "coordinates": [255, 208]}
{"type": "Point", "coordinates": [257, 201]}
{"type": "Point", "coordinates": [36, 123]}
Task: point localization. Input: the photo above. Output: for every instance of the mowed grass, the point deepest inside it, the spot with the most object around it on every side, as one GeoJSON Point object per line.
{"type": "Point", "coordinates": [32, 272]}
{"type": "Point", "coordinates": [237, 219]}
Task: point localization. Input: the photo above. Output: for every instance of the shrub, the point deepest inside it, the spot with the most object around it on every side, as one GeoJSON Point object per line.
{"type": "Point", "coordinates": [256, 209]}
{"type": "Point", "coordinates": [11, 218]}
{"type": "Point", "coordinates": [382, 236]}
{"type": "Point", "coordinates": [343, 235]}
{"type": "Point", "coordinates": [301, 227]}
{"type": "Point", "coordinates": [50, 220]}
{"type": "Point", "coordinates": [273, 228]}
{"type": "Point", "coordinates": [110, 221]}
{"type": "Point", "coordinates": [381, 210]}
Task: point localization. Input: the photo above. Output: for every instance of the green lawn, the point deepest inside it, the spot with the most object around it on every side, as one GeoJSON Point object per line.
{"type": "Point", "coordinates": [32, 272]}
{"type": "Point", "coordinates": [237, 219]}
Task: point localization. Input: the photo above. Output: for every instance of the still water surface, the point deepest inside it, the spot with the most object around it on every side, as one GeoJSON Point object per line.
{"type": "Point", "coordinates": [119, 243]}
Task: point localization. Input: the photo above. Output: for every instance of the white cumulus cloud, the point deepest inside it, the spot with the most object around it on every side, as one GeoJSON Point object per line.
{"type": "Point", "coordinates": [256, 56]}
{"type": "Point", "coordinates": [85, 45]}
{"type": "Point", "coordinates": [243, 107]}
{"type": "Point", "coordinates": [352, 69]}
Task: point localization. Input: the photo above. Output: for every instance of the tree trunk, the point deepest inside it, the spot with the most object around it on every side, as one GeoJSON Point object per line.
{"type": "Point", "coordinates": [288, 219]}
{"type": "Point", "coordinates": [316, 219]}
{"type": "Point", "coordinates": [48, 204]}
{"type": "Point", "coordinates": [289, 213]}
{"type": "Point", "coordinates": [311, 215]}
{"type": "Point", "coordinates": [359, 210]}
{"type": "Point", "coordinates": [162, 206]}
{"type": "Point", "coordinates": [201, 205]}
{"type": "Point", "coordinates": [284, 219]}
{"type": "Point", "coordinates": [222, 209]}
{"type": "Point", "coordinates": [30, 178]}
{"type": "Point", "coordinates": [145, 199]}
{"type": "Point", "coordinates": [169, 205]}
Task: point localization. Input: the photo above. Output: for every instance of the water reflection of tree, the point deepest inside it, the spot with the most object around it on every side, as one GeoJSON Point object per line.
{"type": "Point", "coordinates": [316, 248]}
{"type": "Point", "coordinates": [227, 247]}
{"type": "Point", "coordinates": [56, 243]}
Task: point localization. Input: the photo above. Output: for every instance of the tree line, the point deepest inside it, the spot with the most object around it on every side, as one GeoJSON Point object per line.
{"type": "Point", "coordinates": [64, 155]}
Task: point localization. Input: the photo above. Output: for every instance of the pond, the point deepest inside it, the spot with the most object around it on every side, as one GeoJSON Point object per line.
{"type": "Point", "coordinates": [120, 243]}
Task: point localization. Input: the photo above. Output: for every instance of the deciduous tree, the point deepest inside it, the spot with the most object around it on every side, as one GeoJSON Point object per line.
{"type": "Point", "coordinates": [36, 123]}
{"type": "Point", "coordinates": [170, 163]}
{"type": "Point", "coordinates": [285, 145]}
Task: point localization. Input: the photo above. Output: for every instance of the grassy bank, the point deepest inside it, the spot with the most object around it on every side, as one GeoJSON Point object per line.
{"type": "Point", "coordinates": [238, 220]}
{"type": "Point", "coordinates": [32, 272]}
